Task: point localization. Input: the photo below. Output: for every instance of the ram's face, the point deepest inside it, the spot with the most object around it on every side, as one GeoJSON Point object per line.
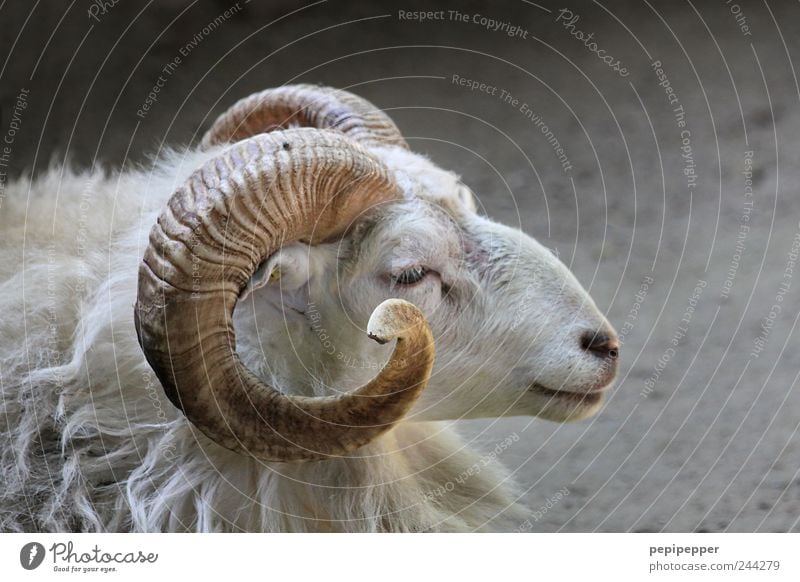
{"type": "Point", "coordinates": [502, 325]}
{"type": "Point", "coordinates": [515, 332]}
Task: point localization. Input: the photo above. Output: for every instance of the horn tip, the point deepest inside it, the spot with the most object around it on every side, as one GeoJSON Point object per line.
{"type": "Point", "coordinates": [391, 319]}
{"type": "Point", "coordinates": [377, 338]}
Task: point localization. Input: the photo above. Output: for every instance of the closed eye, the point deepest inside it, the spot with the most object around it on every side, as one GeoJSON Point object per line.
{"type": "Point", "coordinates": [410, 276]}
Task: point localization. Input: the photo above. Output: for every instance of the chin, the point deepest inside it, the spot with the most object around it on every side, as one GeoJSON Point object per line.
{"type": "Point", "coordinates": [564, 406]}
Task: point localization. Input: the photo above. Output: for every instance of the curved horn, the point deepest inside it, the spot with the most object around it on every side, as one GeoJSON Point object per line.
{"type": "Point", "coordinates": [305, 106]}
{"type": "Point", "coordinates": [215, 230]}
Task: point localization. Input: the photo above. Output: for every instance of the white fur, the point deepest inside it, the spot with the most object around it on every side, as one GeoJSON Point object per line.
{"type": "Point", "coordinates": [88, 441]}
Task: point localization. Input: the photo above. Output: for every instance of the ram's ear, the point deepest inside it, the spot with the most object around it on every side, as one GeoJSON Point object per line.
{"type": "Point", "coordinates": [288, 270]}
{"type": "Point", "coordinates": [467, 198]}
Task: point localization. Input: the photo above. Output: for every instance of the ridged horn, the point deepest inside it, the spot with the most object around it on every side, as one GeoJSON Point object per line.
{"type": "Point", "coordinates": [305, 106]}
{"type": "Point", "coordinates": [216, 229]}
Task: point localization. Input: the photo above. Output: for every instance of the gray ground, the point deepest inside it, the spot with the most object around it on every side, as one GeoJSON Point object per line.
{"type": "Point", "coordinates": [706, 441]}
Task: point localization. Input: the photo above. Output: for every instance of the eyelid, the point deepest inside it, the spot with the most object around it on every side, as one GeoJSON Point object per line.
{"type": "Point", "coordinates": [411, 276]}
{"type": "Point", "coordinates": [397, 266]}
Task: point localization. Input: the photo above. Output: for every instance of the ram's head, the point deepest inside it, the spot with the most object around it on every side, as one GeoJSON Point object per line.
{"type": "Point", "coordinates": [334, 238]}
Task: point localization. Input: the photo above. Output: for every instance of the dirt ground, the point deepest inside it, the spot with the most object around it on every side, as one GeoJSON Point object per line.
{"type": "Point", "coordinates": [652, 144]}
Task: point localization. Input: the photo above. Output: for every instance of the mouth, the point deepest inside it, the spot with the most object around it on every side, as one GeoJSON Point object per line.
{"type": "Point", "coordinates": [574, 398]}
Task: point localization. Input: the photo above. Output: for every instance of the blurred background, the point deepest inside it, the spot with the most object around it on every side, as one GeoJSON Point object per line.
{"type": "Point", "coordinates": [651, 144]}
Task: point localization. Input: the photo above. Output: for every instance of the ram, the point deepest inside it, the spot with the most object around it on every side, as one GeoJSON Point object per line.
{"type": "Point", "coordinates": [198, 345]}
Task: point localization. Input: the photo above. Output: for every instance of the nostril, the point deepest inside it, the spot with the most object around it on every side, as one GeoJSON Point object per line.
{"type": "Point", "coordinates": [600, 344]}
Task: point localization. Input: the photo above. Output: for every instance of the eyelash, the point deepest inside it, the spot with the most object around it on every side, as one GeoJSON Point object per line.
{"type": "Point", "coordinates": [411, 276]}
